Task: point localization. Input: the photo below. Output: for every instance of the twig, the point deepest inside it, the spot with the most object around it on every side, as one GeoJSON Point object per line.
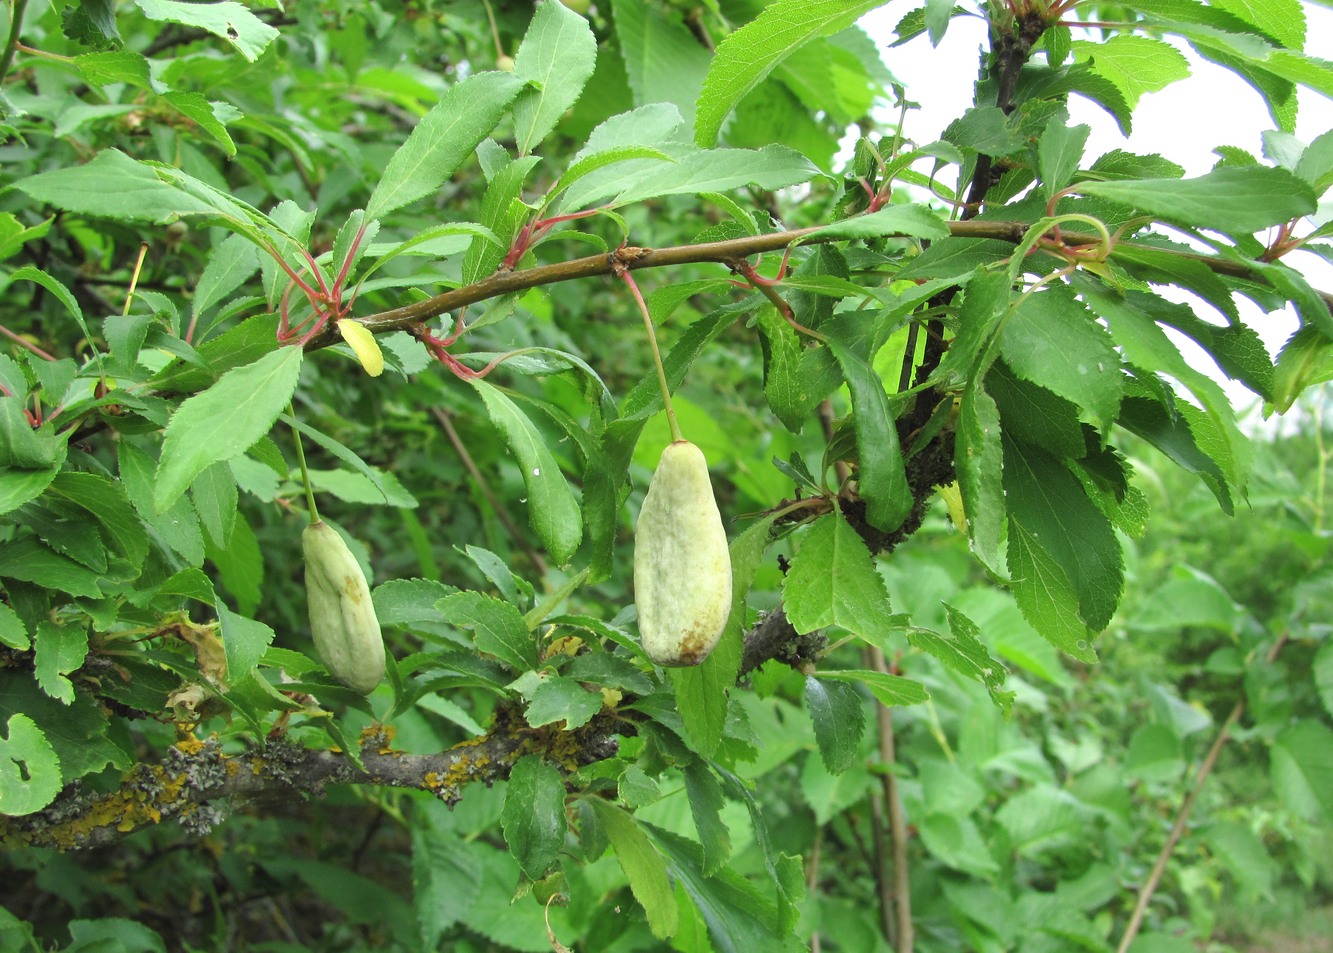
{"type": "Point", "coordinates": [12, 43]}
{"type": "Point", "coordinates": [517, 535]}
{"type": "Point", "coordinates": [902, 894]}
{"type": "Point", "coordinates": [1183, 815]}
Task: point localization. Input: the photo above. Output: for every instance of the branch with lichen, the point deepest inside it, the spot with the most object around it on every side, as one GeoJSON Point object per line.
{"type": "Point", "coordinates": [197, 781]}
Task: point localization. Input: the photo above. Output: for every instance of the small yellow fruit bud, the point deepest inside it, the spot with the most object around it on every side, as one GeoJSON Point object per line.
{"type": "Point", "coordinates": [682, 570]}
{"type": "Point", "coordinates": [363, 345]}
{"type": "Point", "coordinates": [342, 616]}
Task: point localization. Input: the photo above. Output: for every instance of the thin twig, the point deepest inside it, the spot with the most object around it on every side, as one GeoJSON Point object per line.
{"type": "Point", "coordinates": [1183, 815]}
{"type": "Point", "coordinates": [902, 893]}
{"type": "Point", "coordinates": [517, 535]}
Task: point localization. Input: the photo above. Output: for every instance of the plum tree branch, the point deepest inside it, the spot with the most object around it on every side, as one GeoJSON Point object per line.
{"type": "Point", "coordinates": [633, 258]}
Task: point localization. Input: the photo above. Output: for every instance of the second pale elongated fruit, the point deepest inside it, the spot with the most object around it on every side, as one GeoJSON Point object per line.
{"type": "Point", "coordinates": [682, 571]}
{"type": "Point", "coordinates": [342, 617]}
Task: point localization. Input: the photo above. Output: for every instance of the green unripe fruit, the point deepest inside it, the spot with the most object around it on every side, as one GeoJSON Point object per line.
{"type": "Point", "coordinates": [342, 616]}
{"type": "Point", "coordinates": [682, 570]}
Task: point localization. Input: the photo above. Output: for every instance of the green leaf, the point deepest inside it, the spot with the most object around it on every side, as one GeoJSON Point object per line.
{"type": "Point", "coordinates": [534, 814]}
{"type": "Point", "coordinates": [833, 581]}
{"type": "Point", "coordinates": [60, 650]}
{"type": "Point", "coordinates": [405, 601]}
{"type": "Point", "coordinates": [498, 627]}
{"type": "Point", "coordinates": [965, 653]}
{"type": "Point", "coordinates": [77, 732]}
{"type": "Point", "coordinates": [1059, 152]}
{"type": "Point", "coordinates": [20, 486]}
{"type": "Point", "coordinates": [210, 116]}
{"type": "Point", "coordinates": [1045, 596]}
{"type": "Point", "coordinates": [446, 879]}
{"type": "Point", "coordinates": [1239, 200]}
{"type": "Point", "coordinates": [553, 698]}
{"type": "Point", "coordinates": [224, 421]}
{"type": "Point", "coordinates": [556, 58]}
{"type": "Point", "coordinates": [642, 864]}
{"type": "Point", "coordinates": [839, 720]}
{"type": "Point", "coordinates": [881, 475]}
{"type": "Point", "coordinates": [1322, 671]}
{"type": "Point", "coordinates": [890, 690]}
{"type": "Point", "coordinates": [552, 510]}
{"type": "Point", "coordinates": [1136, 64]}
{"type": "Point", "coordinates": [916, 221]}
{"type": "Point", "coordinates": [21, 445]}
{"type": "Point", "coordinates": [720, 170]}
{"type": "Point", "coordinates": [244, 641]}
{"type": "Point", "coordinates": [1132, 322]}
{"type": "Point", "coordinates": [179, 526]}
{"type": "Point", "coordinates": [701, 690]}
{"type": "Point", "coordinates": [447, 135]}
{"type": "Point", "coordinates": [1301, 771]}
{"type": "Point", "coordinates": [740, 918]}
{"type": "Point", "coordinates": [664, 63]}
{"type": "Point", "coordinates": [12, 631]}
{"type": "Point", "coordinates": [230, 21]}
{"type": "Point", "coordinates": [1051, 504]}
{"type": "Point", "coordinates": [215, 497]}
{"type": "Point", "coordinates": [30, 775]}
{"type": "Point", "coordinates": [706, 803]}
{"type": "Point", "coordinates": [115, 186]}
{"type": "Point", "coordinates": [1052, 340]}
{"type": "Point", "coordinates": [749, 54]}
{"type": "Point", "coordinates": [30, 561]}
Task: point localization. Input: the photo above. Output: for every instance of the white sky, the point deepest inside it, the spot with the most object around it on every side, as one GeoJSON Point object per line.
{"type": "Point", "coordinates": [1183, 122]}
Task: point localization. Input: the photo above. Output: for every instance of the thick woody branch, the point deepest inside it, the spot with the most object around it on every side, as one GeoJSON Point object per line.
{"type": "Point", "coordinates": [197, 780]}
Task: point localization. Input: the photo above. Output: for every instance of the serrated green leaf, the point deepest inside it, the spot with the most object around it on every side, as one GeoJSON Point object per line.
{"type": "Point", "coordinates": [706, 803]}
{"type": "Point", "coordinates": [965, 653]}
{"type": "Point", "coordinates": [245, 641]}
{"type": "Point", "coordinates": [749, 54]}
{"type": "Point", "coordinates": [664, 63]}
{"type": "Point", "coordinates": [1301, 771]}
{"type": "Point", "coordinates": [447, 135]}
{"type": "Point", "coordinates": [1052, 340]}
{"type": "Point", "coordinates": [719, 170]}
{"type": "Point", "coordinates": [533, 817]}
{"type": "Point", "coordinates": [642, 864]}
{"type": "Point", "coordinates": [881, 474]}
{"type": "Point", "coordinates": [916, 221]}
{"type": "Point", "coordinates": [446, 878]}
{"type": "Point", "coordinates": [839, 720]}
{"type": "Point", "coordinates": [76, 732]}
{"type": "Point", "coordinates": [555, 59]}
{"type": "Point", "coordinates": [1045, 596]}
{"type": "Point", "coordinates": [30, 775]}
{"type": "Point", "coordinates": [230, 21]}
{"type": "Point", "coordinates": [1059, 152]}
{"type": "Point", "coordinates": [1239, 200]}
{"type": "Point", "coordinates": [890, 690]}
{"type": "Point", "coordinates": [832, 580]}
{"type": "Point", "coordinates": [1050, 503]}
{"type": "Point", "coordinates": [555, 698]}
{"type": "Point", "coordinates": [60, 650]}
{"type": "Point", "coordinates": [498, 627]}
{"type": "Point", "coordinates": [1136, 64]}
{"type": "Point", "coordinates": [28, 560]}
{"type": "Point", "coordinates": [552, 510]}
{"type": "Point", "coordinates": [221, 422]}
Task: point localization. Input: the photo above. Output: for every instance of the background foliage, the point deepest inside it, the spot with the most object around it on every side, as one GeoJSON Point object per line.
{"type": "Point", "coordinates": [971, 696]}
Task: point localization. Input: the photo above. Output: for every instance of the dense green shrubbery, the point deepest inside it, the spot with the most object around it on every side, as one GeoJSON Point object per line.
{"type": "Point", "coordinates": [967, 686]}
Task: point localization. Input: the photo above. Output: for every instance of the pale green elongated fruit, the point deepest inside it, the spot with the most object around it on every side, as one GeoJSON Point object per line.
{"type": "Point", "coordinates": [342, 617]}
{"type": "Point", "coordinates": [682, 571]}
